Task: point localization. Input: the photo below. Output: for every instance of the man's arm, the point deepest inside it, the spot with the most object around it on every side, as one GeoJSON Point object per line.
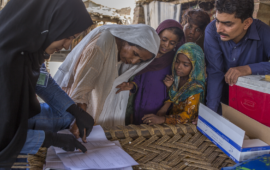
{"type": "Point", "coordinates": [214, 67]}
{"type": "Point", "coordinates": [260, 68]}
{"type": "Point", "coordinates": [234, 73]}
{"type": "Point", "coordinates": [263, 68]}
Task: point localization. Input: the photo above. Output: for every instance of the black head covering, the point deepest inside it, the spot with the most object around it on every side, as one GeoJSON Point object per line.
{"type": "Point", "coordinates": [27, 28]}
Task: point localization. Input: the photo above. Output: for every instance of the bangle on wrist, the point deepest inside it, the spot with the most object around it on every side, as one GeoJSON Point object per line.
{"type": "Point", "coordinates": [136, 87]}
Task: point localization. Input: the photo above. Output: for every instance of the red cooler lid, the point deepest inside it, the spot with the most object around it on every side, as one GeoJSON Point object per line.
{"type": "Point", "coordinates": [254, 82]}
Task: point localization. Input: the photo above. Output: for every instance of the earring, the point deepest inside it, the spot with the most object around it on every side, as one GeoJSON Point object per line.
{"type": "Point", "coordinates": [174, 48]}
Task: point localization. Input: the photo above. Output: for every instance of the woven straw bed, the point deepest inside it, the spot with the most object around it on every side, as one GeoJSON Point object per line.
{"type": "Point", "coordinates": [161, 147]}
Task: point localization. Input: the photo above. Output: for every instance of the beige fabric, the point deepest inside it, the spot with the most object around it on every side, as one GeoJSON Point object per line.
{"type": "Point", "coordinates": [95, 73]}
{"type": "Point", "coordinates": [90, 71]}
{"type": "Point", "coordinates": [81, 65]}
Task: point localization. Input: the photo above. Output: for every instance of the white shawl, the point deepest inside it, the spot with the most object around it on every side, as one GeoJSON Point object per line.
{"type": "Point", "coordinates": [114, 109]}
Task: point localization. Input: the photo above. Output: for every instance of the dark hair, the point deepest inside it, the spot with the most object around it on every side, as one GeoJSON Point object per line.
{"type": "Point", "coordinates": [140, 48]}
{"type": "Point", "coordinates": [176, 31]}
{"type": "Point", "coordinates": [242, 9]}
{"type": "Point", "coordinates": [197, 17]}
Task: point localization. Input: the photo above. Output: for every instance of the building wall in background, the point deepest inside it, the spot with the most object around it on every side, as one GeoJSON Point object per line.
{"type": "Point", "coordinates": [263, 13]}
{"type": "Point", "coordinates": [118, 4]}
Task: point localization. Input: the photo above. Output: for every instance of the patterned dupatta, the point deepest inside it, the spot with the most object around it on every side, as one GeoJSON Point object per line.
{"type": "Point", "coordinates": [196, 81]}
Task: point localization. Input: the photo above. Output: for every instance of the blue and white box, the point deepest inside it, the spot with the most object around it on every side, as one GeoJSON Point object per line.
{"type": "Point", "coordinates": [228, 133]}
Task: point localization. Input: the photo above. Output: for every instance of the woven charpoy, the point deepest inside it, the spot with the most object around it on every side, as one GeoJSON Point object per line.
{"type": "Point", "coordinates": [35, 162]}
{"type": "Point", "coordinates": [158, 147]}
{"type": "Point", "coordinates": [169, 147]}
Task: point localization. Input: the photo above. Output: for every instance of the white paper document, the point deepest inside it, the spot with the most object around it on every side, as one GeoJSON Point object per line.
{"type": "Point", "coordinates": [101, 154]}
{"type": "Point", "coordinates": [102, 158]}
{"type": "Point", "coordinates": [97, 133]}
{"type": "Point", "coordinates": [54, 162]}
{"type": "Point", "coordinates": [96, 139]}
{"type": "Point", "coordinates": [89, 146]}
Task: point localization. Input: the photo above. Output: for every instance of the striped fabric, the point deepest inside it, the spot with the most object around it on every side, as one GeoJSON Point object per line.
{"type": "Point", "coordinates": [156, 12]}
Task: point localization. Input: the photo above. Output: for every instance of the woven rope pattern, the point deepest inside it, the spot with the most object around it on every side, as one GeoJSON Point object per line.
{"type": "Point", "coordinates": [165, 147]}
{"type": "Point", "coordinates": [185, 151]}
{"type": "Point", "coordinates": [35, 162]}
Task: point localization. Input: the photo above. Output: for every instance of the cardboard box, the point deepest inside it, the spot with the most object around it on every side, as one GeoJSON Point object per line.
{"type": "Point", "coordinates": [228, 133]}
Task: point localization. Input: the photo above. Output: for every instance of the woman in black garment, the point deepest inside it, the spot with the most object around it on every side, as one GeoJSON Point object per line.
{"type": "Point", "coordinates": [29, 32]}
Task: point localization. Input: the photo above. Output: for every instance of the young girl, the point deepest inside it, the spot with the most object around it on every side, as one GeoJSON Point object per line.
{"type": "Point", "coordinates": [185, 87]}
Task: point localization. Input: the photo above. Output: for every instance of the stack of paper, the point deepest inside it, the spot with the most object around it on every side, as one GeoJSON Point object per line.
{"type": "Point", "coordinates": [101, 154]}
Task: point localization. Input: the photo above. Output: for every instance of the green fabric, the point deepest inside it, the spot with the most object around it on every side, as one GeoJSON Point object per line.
{"type": "Point", "coordinates": [196, 81]}
{"type": "Point", "coordinates": [130, 106]}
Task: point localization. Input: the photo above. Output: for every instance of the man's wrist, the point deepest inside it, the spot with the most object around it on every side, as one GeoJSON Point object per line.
{"type": "Point", "coordinates": [248, 70]}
